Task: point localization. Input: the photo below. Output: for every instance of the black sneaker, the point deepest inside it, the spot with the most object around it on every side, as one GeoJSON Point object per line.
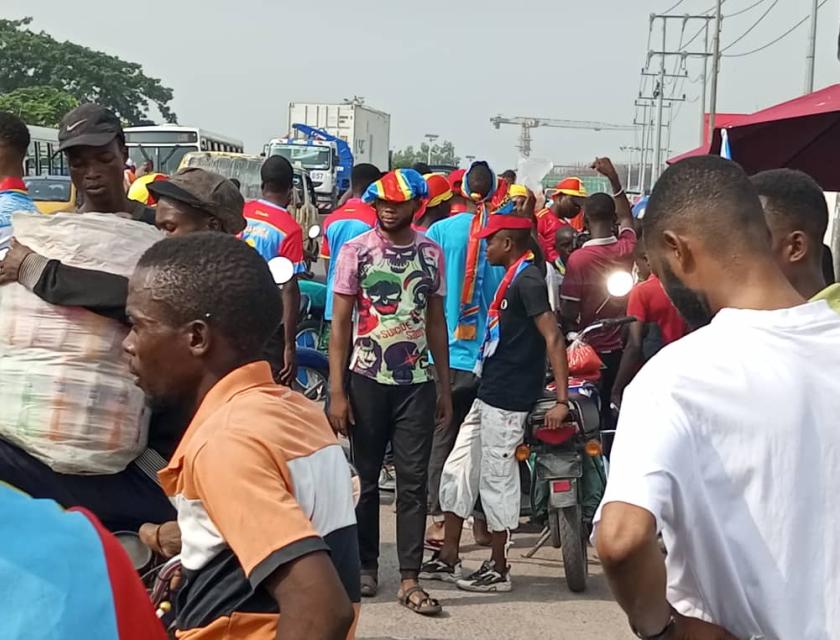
{"type": "Point", "coordinates": [487, 580]}
{"type": "Point", "coordinates": [437, 569]}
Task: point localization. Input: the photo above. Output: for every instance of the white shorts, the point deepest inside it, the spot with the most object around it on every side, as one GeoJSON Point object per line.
{"type": "Point", "coordinates": [483, 463]}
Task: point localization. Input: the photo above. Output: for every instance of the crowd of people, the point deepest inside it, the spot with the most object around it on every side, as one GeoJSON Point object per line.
{"type": "Point", "coordinates": [449, 298]}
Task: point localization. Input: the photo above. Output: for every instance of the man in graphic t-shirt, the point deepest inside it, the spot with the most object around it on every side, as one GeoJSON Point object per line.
{"type": "Point", "coordinates": [392, 277]}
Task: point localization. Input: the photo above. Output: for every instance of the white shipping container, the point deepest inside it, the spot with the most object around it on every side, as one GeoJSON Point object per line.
{"type": "Point", "coordinates": [366, 130]}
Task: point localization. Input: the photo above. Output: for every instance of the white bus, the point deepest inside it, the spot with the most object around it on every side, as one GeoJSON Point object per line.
{"type": "Point", "coordinates": [165, 145]}
{"type": "Point", "coordinates": [41, 158]}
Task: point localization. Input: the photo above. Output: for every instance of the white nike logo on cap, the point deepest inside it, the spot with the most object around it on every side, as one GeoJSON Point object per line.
{"type": "Point", "coordinates": [70, 127]}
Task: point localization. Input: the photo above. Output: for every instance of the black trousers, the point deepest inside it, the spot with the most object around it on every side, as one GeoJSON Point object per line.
{"type": "Point", "coordinates": [464, 386]}
{"type": "Point", "coordinates": [122, 501]}
{"type": "Point", "coordinates": [612, 361]}
{"type": "Point", "coordinates": [403, 415]}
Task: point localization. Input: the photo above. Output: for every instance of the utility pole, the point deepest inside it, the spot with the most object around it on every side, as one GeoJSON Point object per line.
{"type": "Point", "coordinates": [431, 137]}
{"type": "Point", "coordinates": [660, 105]}
{"type": "Point", "coordinates": [643, 154]}
{"type": "Point", "coordinates": [812, 49]}
{"type": "Point", "coordinates": [704, 86]}
{"type": "Point", "coordinates": [715, 69]}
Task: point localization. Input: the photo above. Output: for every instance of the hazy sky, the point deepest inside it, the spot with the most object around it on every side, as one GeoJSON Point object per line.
{"type": "Point", "coordinates": [436, 66]}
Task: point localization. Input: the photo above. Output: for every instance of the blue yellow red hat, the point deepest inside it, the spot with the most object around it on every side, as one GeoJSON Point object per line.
{"type": "Point", "coordinates": [439, 189]}
{"type": "Point", "coordinates": [400, 185]}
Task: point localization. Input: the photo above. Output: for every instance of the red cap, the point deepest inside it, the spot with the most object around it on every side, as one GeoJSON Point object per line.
{"type": "Point", "coordinates": [455, 180]}
{"type": "Point", "coordinates": [500, 221]}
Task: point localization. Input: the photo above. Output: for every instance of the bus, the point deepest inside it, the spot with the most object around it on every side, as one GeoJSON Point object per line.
{"type": "Point", "coordinates": [41, 157]}
{"type": "Point", "coordinates": [166, 145]}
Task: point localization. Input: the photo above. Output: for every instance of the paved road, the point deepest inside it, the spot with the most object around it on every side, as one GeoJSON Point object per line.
{"type": "Point", "coordinates": [540, 605]}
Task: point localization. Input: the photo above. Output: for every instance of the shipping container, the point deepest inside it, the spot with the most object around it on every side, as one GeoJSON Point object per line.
{"type": "Point", "coordinates": [366, 130]}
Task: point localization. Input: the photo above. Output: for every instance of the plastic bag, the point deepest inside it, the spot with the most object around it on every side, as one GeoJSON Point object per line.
{"type": "Point", "coordinates": [584, 362]}
{"type": "Point", "coordinates": [66, 394]}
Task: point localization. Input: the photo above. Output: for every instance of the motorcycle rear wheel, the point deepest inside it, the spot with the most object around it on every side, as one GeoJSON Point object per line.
{"type": "Point", "coordinates": [573, 544]}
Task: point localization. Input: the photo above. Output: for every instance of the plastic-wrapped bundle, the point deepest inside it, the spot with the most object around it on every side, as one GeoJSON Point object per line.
{"type": "Point", "coordinates": [66, 394]}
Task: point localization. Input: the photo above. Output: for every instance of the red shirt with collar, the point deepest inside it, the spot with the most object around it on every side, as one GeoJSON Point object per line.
{"type": "Point", "coordinates": [586, 283]}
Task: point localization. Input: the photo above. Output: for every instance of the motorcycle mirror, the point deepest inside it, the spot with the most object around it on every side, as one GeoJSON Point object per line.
{"type": "Point", "coordinates": [314, 231]}
{"type": "Point", "coordinates": [619, 284]}
{"type": "Point", "coordinates": [281, 269]}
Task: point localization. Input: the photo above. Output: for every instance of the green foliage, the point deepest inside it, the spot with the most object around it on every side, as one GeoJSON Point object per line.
{"type": "Point", "coordinates": [40, 106]}
{"type": "Point", "coordinates": [37, 60]}
{"type": "Point", "coordinates": [443, 153]}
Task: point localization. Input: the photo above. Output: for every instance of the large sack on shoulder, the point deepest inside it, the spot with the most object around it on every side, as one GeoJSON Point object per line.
{"type": "Point", "coordinates": [66, 394]}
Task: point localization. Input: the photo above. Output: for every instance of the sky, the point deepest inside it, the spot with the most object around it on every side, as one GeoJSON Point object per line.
{"type": "Point", "coordinates": [443, 67]}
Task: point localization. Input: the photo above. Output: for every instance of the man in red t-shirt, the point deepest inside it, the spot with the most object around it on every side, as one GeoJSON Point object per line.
{"type": "Point", "coordinates": [658, 323]}
{"type": "Point", "coordinates": [584, 293]}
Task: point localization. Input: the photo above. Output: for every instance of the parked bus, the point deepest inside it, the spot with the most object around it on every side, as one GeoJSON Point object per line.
{"type": "Point", "coordinates": [166, 145]}
{"type": "Point", "coordinates": [41, 158]}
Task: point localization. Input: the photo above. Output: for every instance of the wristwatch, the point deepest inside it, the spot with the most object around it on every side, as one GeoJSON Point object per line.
{"type": "Point", "coordinates": [669, 626]}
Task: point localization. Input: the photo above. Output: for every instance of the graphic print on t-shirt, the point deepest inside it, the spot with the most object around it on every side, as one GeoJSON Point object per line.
{"type": "Point", "coordinates": [391, 285]}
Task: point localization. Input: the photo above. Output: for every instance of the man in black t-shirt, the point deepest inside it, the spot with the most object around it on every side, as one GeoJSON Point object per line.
{"type": "Point", "coordinates": [521, 330]}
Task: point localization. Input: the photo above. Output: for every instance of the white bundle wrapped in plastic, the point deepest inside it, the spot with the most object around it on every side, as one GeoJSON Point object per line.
{"type": "Point", "coordinates": [66, 394]}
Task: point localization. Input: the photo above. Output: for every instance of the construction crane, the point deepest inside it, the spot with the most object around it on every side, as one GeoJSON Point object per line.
{"type": "Point", "coordinates": [532, 123]}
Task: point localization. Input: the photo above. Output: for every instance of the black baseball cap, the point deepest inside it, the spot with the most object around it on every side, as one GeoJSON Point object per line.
{"type": "Point", "coordinates": [88, 125]}
{"type": "Point", "coordinates": [206, 191]}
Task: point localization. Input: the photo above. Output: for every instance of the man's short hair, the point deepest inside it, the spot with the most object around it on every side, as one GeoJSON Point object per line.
{"type": "Point", "coordinates": [599, 207]}
{"type": "Point", "coordinates": [219, 279]}
{"type": "Point", "coordinates": [712, 198]}
{"type": "Point", "coordinates": [14, 133]}
{"type": "Point", "coordinates": [277, 174]}
{"type": "Point", "coordinates": [509, 175]}
{"type": "Point", "coordinates": [794, 200]}
{"type": "Point", "coordinates": [479, 177]}
{"type": "Point", "coordinates": [363, 175]}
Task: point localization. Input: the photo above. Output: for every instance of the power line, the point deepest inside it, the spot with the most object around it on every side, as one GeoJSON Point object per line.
{"type": "Point", "coordinates": [754, 25]}
{"type": "Point", "coordinates": [679, 2]}
{"type": "Point", "coordinates": [738, 13]}
{"type": "Point", "coordinates": [775, 40]}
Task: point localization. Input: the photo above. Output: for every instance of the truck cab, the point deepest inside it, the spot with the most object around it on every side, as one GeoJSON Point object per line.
{"type": "Point", "coordinates": [320, 159]}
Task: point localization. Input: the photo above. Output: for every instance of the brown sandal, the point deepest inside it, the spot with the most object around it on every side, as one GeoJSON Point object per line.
{"type": "Point", "coordinates": [426, 606]}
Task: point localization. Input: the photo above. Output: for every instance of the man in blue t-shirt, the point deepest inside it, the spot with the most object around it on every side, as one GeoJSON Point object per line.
{"type": "Point", "coordinates": [453, 236]}
{"type": "Point", "coordinates": [14, 141]}
{"type": "Point", "coordinates": [350, 220]}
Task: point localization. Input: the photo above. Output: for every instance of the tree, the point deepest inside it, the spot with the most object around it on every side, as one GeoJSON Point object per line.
{"type": "Point", "coordinates": [40, 106]}
{"type": "Point", "coordinates": [443, 153]}
{"type": "Point", "coordinates": [36, 60]}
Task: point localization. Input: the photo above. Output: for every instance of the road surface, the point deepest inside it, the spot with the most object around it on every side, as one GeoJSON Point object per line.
{"type": "Point", "coordinates": [540, 605]}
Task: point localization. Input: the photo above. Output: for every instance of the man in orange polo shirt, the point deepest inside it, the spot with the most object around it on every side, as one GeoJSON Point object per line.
{"type": "Point", "coordinates": [262, 488]}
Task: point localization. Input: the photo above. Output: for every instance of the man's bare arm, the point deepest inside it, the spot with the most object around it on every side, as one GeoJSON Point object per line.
{"type": "Point", "coordinates": [291, 308]}
{"type": "Point", "coordinates": [312, 600]}
{"type": "Point", "coordinates": [438, 337]}
{"type": "Point", "coordinates": [631, 361]}
{"type": "Point", "coordinates": [340, 334]}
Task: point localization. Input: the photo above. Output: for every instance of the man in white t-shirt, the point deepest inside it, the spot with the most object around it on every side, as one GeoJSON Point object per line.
{"type": "Point", "coordinates": [728, 442]}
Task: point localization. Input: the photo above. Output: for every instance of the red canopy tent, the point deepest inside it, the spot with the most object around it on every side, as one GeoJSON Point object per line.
{"type": "Point", "coordinates": [803, 133]}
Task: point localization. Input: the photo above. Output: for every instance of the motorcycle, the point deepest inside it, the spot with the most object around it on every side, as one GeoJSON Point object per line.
{"type": "Point", "coordinates": [313, 374]}
{"type": "Point", "coordinates": [557, 457]}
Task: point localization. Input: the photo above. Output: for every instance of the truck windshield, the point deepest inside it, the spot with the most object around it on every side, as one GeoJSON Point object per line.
{"type": "Point", "coordinates": [310, 157]}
